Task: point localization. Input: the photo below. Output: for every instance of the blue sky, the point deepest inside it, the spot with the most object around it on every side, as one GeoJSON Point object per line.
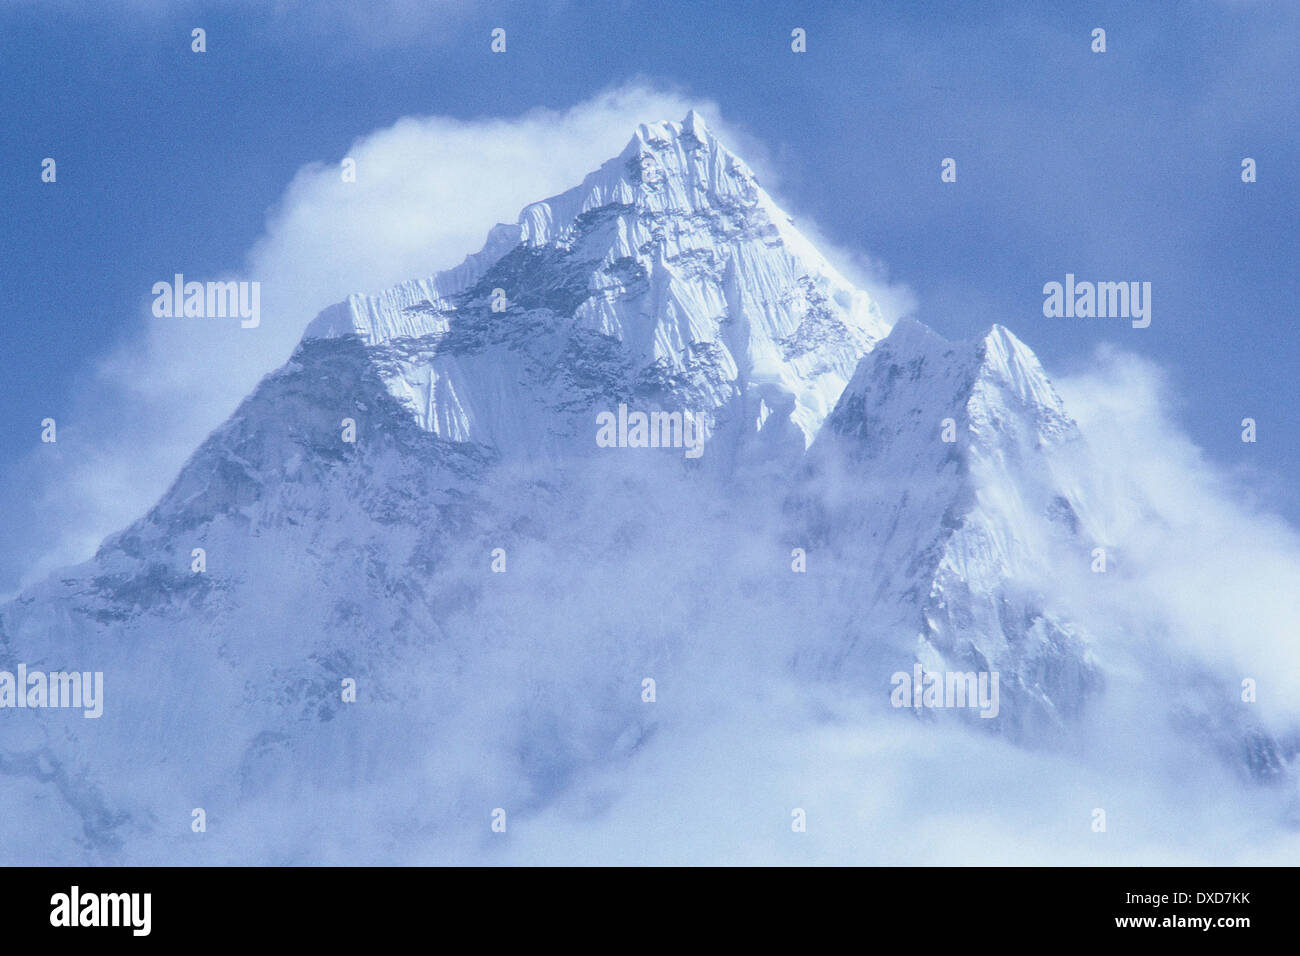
{"type": "Point", "coordinates": [1116, 166]}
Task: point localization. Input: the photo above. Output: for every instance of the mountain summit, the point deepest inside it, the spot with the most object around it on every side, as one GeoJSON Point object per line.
{"type": "Point", "coordinates": [404, 585]}
{"type": "Point", "coordinates": [667, 277]}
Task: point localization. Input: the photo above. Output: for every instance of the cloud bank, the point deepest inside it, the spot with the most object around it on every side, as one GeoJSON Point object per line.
{"type": "Point", "coordinates": [1219, 574]}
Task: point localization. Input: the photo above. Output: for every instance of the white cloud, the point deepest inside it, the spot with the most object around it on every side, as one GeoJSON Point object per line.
{"type": "Point", "coordinates": [1220, 576]}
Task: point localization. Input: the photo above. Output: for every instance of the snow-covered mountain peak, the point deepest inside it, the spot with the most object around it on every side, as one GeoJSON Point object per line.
{"type": "Point", "coordinates": [987, 385]}
{"type": "Point", "coordinates": [1011, 374]}
{"type": "Point", "coordinates": [667, 277]}
{"type": "Point", "coordinates": [666, 169]}
{"type": "Point", "coordinates": [963, 449]}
